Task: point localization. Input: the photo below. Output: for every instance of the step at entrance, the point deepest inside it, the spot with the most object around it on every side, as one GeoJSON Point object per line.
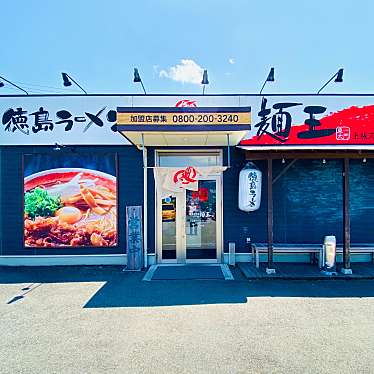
{"type": "Point", "coordinates": [189, 272]}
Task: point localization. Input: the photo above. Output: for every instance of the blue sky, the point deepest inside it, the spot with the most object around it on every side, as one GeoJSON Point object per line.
{"type": "Point", "coordinates": [100, 42]}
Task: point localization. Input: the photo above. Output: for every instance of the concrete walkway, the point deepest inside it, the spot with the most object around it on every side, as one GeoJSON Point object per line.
{"type": "Point", "coordinates": [103, 320]}
{"type": "Point", "coordinates": [300, 271]}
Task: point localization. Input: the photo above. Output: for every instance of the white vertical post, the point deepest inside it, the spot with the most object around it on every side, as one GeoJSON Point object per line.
{"type": "Point", "coordinates": [1, 203]}
{"type": "Point", "coordinates": [145, 203]}
{"type": "Point", "coordinates": [228, 150]}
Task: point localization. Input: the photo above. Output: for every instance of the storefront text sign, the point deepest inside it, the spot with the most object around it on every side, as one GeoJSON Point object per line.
{"type": "Point", "coordinates": [149, 119]}
{"type": "Point", "coordinates": [59, 119]}
{"type": "Point", "coordinates": [92, 119]}
{"type": "Point", "coordinates": [312, 120]}
{"type": "Point", "coordinates": [273, 121]}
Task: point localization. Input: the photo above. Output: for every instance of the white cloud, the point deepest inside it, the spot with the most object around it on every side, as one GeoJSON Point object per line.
{"type": "Point", "coordinates": [231, 60]}
{"type": "Point", "coordinates": [163, 74]}
{"type": "Point", "coordinates": [188, 71]}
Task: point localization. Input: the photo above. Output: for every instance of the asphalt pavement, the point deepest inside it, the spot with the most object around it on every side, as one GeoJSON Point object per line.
{"type": "Point", "coordinates": [102, 320]}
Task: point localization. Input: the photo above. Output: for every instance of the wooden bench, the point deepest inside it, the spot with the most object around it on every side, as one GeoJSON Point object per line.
{"type": "Point", "coordinates": [311, 249]}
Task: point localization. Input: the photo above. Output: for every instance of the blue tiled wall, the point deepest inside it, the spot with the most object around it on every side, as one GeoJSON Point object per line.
{"type": "Point", "coordinates": [362, 201]}
{"type": "Point", "coordinates": [307, 200]}
{"type": "Point", "coordinates": [239, 225]}
{"type": "Point", "coordinates": [308, 203]}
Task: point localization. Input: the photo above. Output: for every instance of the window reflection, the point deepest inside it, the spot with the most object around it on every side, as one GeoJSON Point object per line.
{"type": "Point", "coordinates": [175, 160]}
{"type": "Point", "coordinates": [169, 229]}
{"type": "Point", "coordinates": [201, 221]}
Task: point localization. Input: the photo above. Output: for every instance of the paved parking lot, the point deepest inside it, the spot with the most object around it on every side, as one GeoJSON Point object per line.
{"type": "Point", "coordinates": [101, 320]}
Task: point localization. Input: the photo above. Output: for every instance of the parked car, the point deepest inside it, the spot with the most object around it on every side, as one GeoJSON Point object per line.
{"type": "Point", "coordinates": [168, 212]}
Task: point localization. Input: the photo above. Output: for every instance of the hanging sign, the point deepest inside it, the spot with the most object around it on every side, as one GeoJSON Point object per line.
{"type": "Point", "coordinates": [170, 181]}
{"type": "Point", "coordinates": [250, 179]}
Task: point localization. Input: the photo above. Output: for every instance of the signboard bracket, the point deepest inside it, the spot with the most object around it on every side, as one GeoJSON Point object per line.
{"type": "Point", "coordinates": [228, 150]}
{"type": "Point", "coordinates": [145, 203]}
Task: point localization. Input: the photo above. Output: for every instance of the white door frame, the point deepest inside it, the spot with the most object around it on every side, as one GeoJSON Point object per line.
{"type": "Point", "coordinates": [180, 223]}
{"type": "Point", "coordinates": [181, 226]}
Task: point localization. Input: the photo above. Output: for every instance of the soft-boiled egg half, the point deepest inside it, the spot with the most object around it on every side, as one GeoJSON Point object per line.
{"type": "Point", "coordinates": [69, 214]}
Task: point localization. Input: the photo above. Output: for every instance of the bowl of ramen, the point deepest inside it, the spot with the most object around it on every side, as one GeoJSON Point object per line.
{"type": "Point", "coordinates": [70, 207]}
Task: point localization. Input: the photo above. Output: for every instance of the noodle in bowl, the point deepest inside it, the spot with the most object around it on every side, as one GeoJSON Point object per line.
{"type": "Point", "coordinates": [86, 214]}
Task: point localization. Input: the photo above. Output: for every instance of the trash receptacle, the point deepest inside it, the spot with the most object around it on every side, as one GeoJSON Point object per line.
{"type": "Point", "coordinates": [329, 255]}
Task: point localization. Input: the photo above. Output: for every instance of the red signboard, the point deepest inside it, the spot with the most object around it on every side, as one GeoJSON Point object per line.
{"type": "Point", "coordinates": [276, 124]}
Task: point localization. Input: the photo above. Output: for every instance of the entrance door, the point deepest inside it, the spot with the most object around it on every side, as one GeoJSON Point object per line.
{"type": "Point", "coordinates": [189, 225]}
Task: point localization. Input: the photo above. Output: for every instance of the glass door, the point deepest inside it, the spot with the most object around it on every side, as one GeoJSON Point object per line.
{"type": "Point", "coordinates": [201, 222]}
{"type": "Point", "coordinates": [189, 225]}
{"type": "Point", "coordinates": [169, 228]}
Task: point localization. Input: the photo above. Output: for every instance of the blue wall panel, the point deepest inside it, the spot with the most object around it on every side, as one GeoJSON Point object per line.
{"type": "Point", "coordinates": [362, 201]}
{"type": "Point", "coordinates": [308, 201]}
{"type": "Point", "coordinates": [239, 225]}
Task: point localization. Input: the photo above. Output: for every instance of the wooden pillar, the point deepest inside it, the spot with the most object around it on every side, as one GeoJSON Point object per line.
{"type": "Point", "coordinates": [346, 217]}
{"type": "Point", "coordinates": [270, 215]}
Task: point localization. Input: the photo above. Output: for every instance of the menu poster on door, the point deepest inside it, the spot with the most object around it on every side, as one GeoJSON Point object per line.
{"type": "Point", "coordinates": [201, 204]}
{"type": "Point", "coordinates": [201, 194]}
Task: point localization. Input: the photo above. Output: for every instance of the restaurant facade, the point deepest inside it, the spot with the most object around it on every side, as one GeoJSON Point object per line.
{"type": "Point", "coordinates": [100, 179]}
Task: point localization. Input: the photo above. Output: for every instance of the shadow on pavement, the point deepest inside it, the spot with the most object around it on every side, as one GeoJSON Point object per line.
{"type": "Point", "coordinates": [123, 289]}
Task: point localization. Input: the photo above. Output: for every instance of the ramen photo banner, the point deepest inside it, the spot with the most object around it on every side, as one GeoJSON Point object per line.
{"type": "Point", "coordinates": [70, 200]}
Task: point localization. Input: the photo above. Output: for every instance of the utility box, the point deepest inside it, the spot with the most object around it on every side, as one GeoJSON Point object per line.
{"type": "Point", "coordinates": [328, 255]}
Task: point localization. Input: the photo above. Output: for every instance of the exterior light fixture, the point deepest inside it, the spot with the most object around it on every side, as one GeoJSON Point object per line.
{"type": "Point", "coordinates": [270, 78]}
{"type": "Point", "coordinates": [324, 161]}
{"type": "Point", "coordinates": [364, 160]}
{"type": "Point", "coordinates": [283, 161]}
{"type": "Point", "coordinates": [338, 79]}
{"type": "Point", "coordinates": [57, 147]}
{"type": "Point", "coordinates": [137, 79]}
{"type": "Point", "coordinates": [205, 81]}
{"type": "Point", "coordinates": [339, 76]}
{"type": "Point", "coordinates": [6, 80]}
{"type": "Point", "coordinates": [67, 81]}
